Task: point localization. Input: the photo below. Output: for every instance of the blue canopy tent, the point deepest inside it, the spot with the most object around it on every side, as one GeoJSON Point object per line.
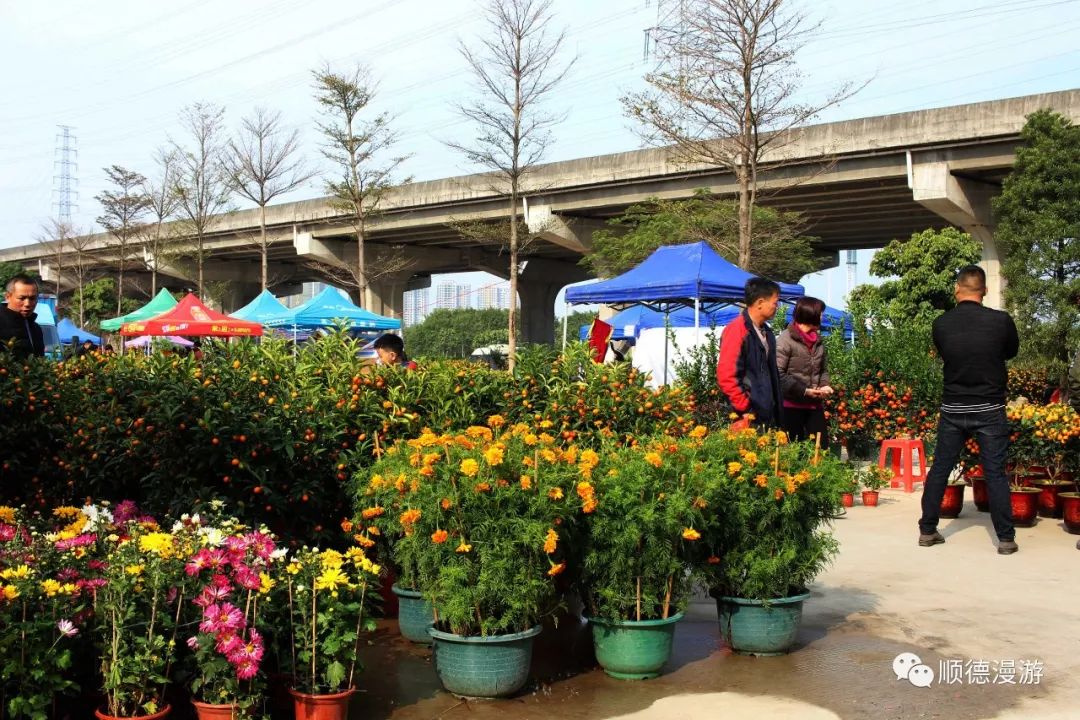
{"type": "Point", "coordinates": [68, 331]}
{"type": "Point", "coordinates": [263, 308]}
{"type": "Point", "coordinates": [328, 309]}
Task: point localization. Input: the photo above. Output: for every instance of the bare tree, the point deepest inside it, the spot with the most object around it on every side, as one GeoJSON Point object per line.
{"type": "Point", "coordinates": [55, 236]}
{"type": "Point", "coordinates": [359, 150]}
{"type": "Point", "coordinates": [262, 164]}
{"type": "Point", "coordinates": [724, 92]}
{"type": "Point", "coordinates": [515, 68]}
{"type": "Point", "coordinates": [201, 184]}
{"type": "Point", "coordinates": [83, 265]}
{"type": "Point", "coordinates": [122, 210]}
{"type": "Point", "coordinates": [161, 205]}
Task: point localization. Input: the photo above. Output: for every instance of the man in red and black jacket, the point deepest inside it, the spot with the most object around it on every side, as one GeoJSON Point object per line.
{"type": "Point", "coordinates": [746, 371]}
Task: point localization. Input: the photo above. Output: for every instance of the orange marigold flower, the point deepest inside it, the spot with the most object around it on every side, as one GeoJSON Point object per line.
{"type": "Point", "coordinates": [555, 493]}
{"type": "Point", "coordinates": [589, 505]}
{"type": "Point", "coordinates": [526, 482]}
{"type": "Point", "coordinates": [469, 467]}
{"type": "Point", "coordinates": [569, 455]}
{"type": "Point", "coordinates": [409, 516]}
{"type": "Point", "coordinates": [734, 468]}
{"type": "Point", "coordinates": [482, 486]}
{"type": "Point", "coordinates": [426, 471]}
{"type": "Point", "coordinates": [399, 484]}
{"type": "Point", "coordinates": [502, 483]}
{"type": "Point", "coordinates": [372, 512]}
{"type": "Point", "coordinates": [699, 502]}
{"type": "Point", "coordinates": [551, 541]}
{"type": "Point", "coordinates": [446, 503]}
{"type": "Point", "coordinates": [479, 431]}
{"type": "Point", "coordinates": [373, 531]}
{"type": "Point", "coordinates": [496, 421]}
{"type": "Point", "coordinates": [654, 459]}
{"type": "Point", "coordinates": [494, 455]}
{"type": "Point", "coordinates": [779, 494]}
{"type": "Point", "coordinates": [761, 480]}
{"type": "Point", "coordinates": [556, 569]}
{"type": "Point", "coordinates": [363, 541]}
{"type": "Point", "coordinates": [589, 458]}
{"type": "Point", "coordinates": [439, 536]}
{"type": "Point", "coordinates": [691, 534]}
{"type": "Point", "coordinates": [347, 525]}
{"type": "Point", "coordinates": [699, 432]}
{"type": "Point", "coordinates": [585, 489]}
{"type": "Point", "coordinates": [781, 437]}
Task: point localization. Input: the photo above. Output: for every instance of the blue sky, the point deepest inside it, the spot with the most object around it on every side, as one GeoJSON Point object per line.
{"type": "Point", "coordinates": [120, 71]}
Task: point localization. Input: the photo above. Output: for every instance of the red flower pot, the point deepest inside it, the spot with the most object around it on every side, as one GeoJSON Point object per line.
{"type": "Point", "coordinates": [1070, 511]}
{"type": "Point", "coordinates": [1050, 497]}
{"type": "Point", "coordinates": [953, 501]}
{"type": "Point", "coordinates": [979, 494]}
{"type": "Point", "coordinates": [208, 711]}
{"type": "Point", "coordinates": [1025, 505]}
{"type": "Point", "coordinates": [333, 706]}
{"type": "Point", "coordinates": [163, 712]}
{"type": "Point", "coordinates": [869, 498]}
{"type": "Point", "coordinates": [847, 499]}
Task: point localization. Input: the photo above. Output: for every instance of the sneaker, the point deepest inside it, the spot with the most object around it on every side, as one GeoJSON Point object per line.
{"type": "Point", "coordinates": [1007, 547]}
{"type": "Point", "coordinates": [930, 540]}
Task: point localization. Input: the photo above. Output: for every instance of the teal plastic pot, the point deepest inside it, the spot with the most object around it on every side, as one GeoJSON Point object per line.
{"type": "Point", "coordinates": [749, 627]}
{"type": "Point", "coordinates": [486, 667]}
{"type": "Point", "coordinates": [633, 649]}
{"type": "Point", "coordinates": [415, 615]}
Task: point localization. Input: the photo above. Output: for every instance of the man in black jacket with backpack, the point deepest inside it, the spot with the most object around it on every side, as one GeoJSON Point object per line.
{"type": "Point", "coordinates": [974, 341]}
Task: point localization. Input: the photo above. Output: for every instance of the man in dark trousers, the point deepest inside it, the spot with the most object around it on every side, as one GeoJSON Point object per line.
{"type": "Point", "coordinates": [746, 371]}
{"type": "Point", "coordinates": [974, 341]}
{"type": "Point", "coordinates": [19, 332]}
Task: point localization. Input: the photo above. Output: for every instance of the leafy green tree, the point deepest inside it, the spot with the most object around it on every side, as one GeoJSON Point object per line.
{"type": "Point", "coordinates": [99, 301]}
{"type": "Point", "coordinates": [1038, 226]}
{"type": "Point", "coordinates": [780, 250]}
{"type": "Point", "coordinates": [9, 270]}
{"type": "Point", "coordinates": [922, 271]}
{"type": "Point", "coordinates": [456, 333]}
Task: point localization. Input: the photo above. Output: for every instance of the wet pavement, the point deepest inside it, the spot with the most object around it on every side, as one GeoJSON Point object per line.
{"type": "Point", "coordinates": [956, 606]}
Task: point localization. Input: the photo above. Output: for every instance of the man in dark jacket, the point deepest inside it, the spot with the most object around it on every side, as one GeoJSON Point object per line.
{"type": "Point", "coordinates": [746, 371]}
{"type": "Point", "coordinates": [19, 332]}
{"type": "Point", "coordinates": [974, 341]}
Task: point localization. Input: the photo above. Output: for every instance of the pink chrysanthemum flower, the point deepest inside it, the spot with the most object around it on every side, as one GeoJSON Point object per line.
{"type": "Point", "coordinates": [247, 578]}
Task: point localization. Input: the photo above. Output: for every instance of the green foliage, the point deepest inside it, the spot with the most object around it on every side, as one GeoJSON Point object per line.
{"type": "Point", "coordinates": [9, 270]}
{"type": "Point", "coordinates": [923, 271]}
{"type": "Point", "coordinates": [1038, 232]}
{"type": "Point", "coordinates": [779, 249]}
{"type": "Point", "coordinates": [98, 301]}
{"type": "Point", "coordinates": [455, 333]}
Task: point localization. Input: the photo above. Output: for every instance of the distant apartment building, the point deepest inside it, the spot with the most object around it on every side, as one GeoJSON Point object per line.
{"type": "Point", "coordinates": [452, 297]}
{"type": "Point", "coordinates": [493, 297]}
{"type": "Point", "coordinates": [414, 307]}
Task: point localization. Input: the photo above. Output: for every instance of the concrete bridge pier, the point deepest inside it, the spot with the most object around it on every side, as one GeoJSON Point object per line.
{"type": "Point", "coordinates": [966, 204]}
{"type": "Point", "coordinates": [538, 286]}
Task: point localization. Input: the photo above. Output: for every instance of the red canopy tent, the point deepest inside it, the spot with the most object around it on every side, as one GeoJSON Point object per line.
{"type": "Point", "coordinates": [191, 318]}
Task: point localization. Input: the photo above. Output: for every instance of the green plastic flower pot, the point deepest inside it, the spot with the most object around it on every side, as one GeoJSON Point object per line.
{"type": "Point", "coordinates": [415, 615]}
{"type": "Point", "coordinates": [750, 627]}
{"type": "Point", "coordinates": [487, 667]}
{"type": "Point", "coordinates": [633, 649]}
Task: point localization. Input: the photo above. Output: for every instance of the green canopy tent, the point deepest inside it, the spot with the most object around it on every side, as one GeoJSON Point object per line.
{"type": "Point", "coordinates": [162, 302]}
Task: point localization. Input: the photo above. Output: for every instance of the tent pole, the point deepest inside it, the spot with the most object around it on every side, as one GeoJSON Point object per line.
{"type": "Point", "coordinates": [667, 329]}
{"type": "Point", "coordinates": [565, 314]}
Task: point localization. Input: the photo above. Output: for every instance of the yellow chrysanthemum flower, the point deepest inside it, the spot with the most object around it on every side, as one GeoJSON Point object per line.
{"type": "Point", "coordinates": [331, 559]}
{"type": "Point", "coordinates": [17, 573]}
{"type": "Point", "coordinates": [7, 514]}
{"type": "Point", "coordinates": [469, 467]}
{"type": "Point", "coordinates": [159, 543]}
{"type": "Point", "coordinates": [266, 583]}
{"type": "Point", "coordinates": [10, 592]}
{"type": "Point", "coordinates": [330, 579]}
{"type": "Point", "coordinates": [135, 570]}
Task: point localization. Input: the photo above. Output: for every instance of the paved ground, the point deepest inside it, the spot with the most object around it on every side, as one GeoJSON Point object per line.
{"type": "Point", "coordinates": [959, 603]}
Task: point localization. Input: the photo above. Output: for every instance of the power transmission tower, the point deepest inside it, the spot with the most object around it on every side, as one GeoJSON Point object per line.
{"type": "Point", "coordinates": [65, 184]}
{"type": "Point", "coordinates": [671, 23]}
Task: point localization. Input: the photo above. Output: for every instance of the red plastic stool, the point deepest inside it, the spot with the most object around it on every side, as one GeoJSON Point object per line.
{"type": "Point", "coordinates": [903, 462]}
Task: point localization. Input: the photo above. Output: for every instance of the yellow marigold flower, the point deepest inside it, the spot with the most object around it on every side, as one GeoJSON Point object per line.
{"type": "Point", "coordinates": [330, 579]}
{"type": "Point", "coordinates": [399, 484]}
{"type": "Point", "coordinates": [763, 441]}
{"type": "Point", "coordinates": [469, 467]}
{"type": "Point", "coordinates": [446, 503]}
{"type": "Point", "coordinates": [159, 543]}
{"type": "Point", "coordinates": [585, 489]}
{"type": "Point", "coordinates": [734, 468]}
{"type": "Point", "coordinates": [439, 536]}
{"type": "Point", "coordinates": [569, 455]}
{"type": "Point", "coordinates": [496, 421]}
{"type": "Point", "coordinates": [546, 439]}
{"type": "Point", "coordinates": [549, 455]}
{"type": "Point", "coordinates": [761, 480]}
{"type": "Point", "coordinates": [790, 486]}
{"type": "Point", "coordinates": [781, 437]}
{"type": "Point", "coordinates": [556, 569]}
{"type": "Point", "coordinates": [372, 512]}
{"type": "Point", "coordinates": [699, 432]}
{"type": "Point", "coordinates": [526, 482]}
{"type": "Point", "coordinates": [529, 439]}
{"type": "Point", "coordinates": [331, 559]}
{"type": "Point", "coordinates": [589, 505]}
{"type": "Point", "coordinates": [545, 424]}
{"type": "Point", "coordinates": [7, 514]}
{"type": "Point", "coordinates": [10, 592]}
{"type": "Point", "coordinates": [135, 570]}
{"type": "Point", "coordinates": [590, 458]}
{"type": "Point", "coordinates": [20, 572]}
{"type": "Point", "coordinates": [374, 531]}
{"type": "Point", "coordinates": [551, 541]}
{"type": "Point", "coordinates": [654, 459]}
{"type": "Point", "coordinates": [691, 534]}
{"type": "Point", "coordinates": [376, 482]}
{"type": "Point", "coordinates": [555, 493]}
{"type": "Point", "coordinates": [748, 456]}
{"type": "Point", "coordinates": [480, 432]}
{"type": "Point", "coordinates": [463, 547]}
{"type": "Point", "coordinates": [494, 455]}
{"type": "Point", "coordinates": [430, 459]}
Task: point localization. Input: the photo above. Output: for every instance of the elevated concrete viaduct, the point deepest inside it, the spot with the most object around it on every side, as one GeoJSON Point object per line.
{"type": "Point", "coordinates": [859, 183]}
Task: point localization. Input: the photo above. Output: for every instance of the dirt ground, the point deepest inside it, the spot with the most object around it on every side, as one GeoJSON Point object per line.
{"type": "Point", "coordinates": [965, 611]}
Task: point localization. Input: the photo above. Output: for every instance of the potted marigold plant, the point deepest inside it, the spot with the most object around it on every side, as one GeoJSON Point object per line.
{"type": "Point", "coordinates": [135, 613]}
{"type": "Point", "coordinates": [639, 541]}
{"type": "Point", "coordinates": [44, 593]}
{"type": "Point", "coordinates": [328, 594]}
{"type": "Point", "coordinates": [230, 578]}
{"type": "Point", "coordinates": [770, 538]}
{"type": "Point", "coordinates": [477, 515]}
{"type": "Point", "coordinates": [873, 479]}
